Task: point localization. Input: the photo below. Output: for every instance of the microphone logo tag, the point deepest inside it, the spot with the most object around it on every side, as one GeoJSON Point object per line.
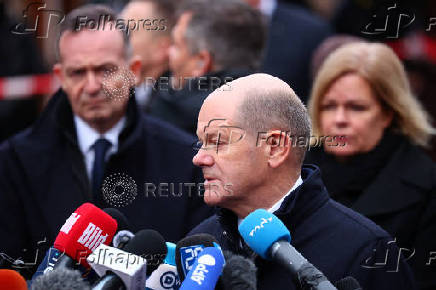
{"type": "Point", "coordinates": [69, 223]}
{"type": "Point", "coordinates": [198, 273]}
{"type": "Point", "coordinates": [92, 237]}
{"type": "Point", "coordinates": [258, 227]}
{"type": "Point", "coordinates": [188, 256]}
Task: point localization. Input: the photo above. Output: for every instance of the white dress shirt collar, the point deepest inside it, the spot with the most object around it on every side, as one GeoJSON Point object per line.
{"type": "Point", "coordinates": [86, 137]}
{"type": "Point", "coordinates": [277, 205]}
{"type": "Point", "coordinates": [267, 7]}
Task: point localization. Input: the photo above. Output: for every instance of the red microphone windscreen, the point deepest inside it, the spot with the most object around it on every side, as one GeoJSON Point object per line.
{"type": "Point", "coordinates": [12, 280]}
{"type": "Point", "coordinates": [84, 231]}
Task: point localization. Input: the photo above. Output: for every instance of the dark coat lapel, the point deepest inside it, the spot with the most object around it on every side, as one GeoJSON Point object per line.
{"type": "Point", "coordinates": [400, 184]}
{"type": "Point", "coordinates": [48, 167]}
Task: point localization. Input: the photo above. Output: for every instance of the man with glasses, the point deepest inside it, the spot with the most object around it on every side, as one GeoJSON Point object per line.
{"type": "Point", "coordinates": [245, 141]}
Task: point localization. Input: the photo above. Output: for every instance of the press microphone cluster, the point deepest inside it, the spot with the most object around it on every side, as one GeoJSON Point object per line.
{"type": "Point", "coordinates": [145, 261]}
{"type": "Point", "coordinates": [85, 229]}
{"type": "Point", "coordinates": [128, 268]}
{"type": "Point", "coordinates": [229, 272]}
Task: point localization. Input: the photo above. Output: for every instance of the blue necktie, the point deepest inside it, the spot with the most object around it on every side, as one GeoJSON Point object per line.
{"type": "Point", "coordinates": [100, 148]}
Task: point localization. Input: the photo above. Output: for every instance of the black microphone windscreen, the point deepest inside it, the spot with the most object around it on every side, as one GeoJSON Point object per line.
{"type": "Point", "coordinates": [123, 223]}
{"type": "Point", "coordinates": [199, 239]}
{"type": "Point", "coordinates": [60, 279]}
{"type": "Point", "coordinates": [239, 273]}
{"type": "Point", "coordinates": [348, 283]}
{"type": "Point", "coordinates": [150, 245]}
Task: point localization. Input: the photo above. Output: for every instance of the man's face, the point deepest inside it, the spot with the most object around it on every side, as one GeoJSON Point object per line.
{"type": "Point", "coordinates": [150, 45]}
{"type": "Point", "coordinates": [233, 166]}
{"type": "Point", "coordinates": [182, 62]}
{"type": "Point", "coordinates": [94, 74]}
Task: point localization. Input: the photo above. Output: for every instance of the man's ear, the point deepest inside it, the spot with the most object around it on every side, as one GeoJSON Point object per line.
{"type": "Point", "coordinates": [278, 147]}
{"type": "Point", "coordinates": [203, 64]}
{"type": "Point", "coordinates": [135, 67]}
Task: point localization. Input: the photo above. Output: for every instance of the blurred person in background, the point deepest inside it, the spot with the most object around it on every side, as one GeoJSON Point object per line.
{"type": "Point", "coordinates": [373, 161]}
{"type": "Point", "coordinates": [20, 56]}
{"type": "Point", "coordinates": [213, 42]}
{"type": "Point", "coordinates": [329, 45]}
{"type": "Point", "coordinates": [293, 35]}
{"type": "Point", "coordinates": [91, 131]}
{"type": "Point", "coordinates": [152, 44]}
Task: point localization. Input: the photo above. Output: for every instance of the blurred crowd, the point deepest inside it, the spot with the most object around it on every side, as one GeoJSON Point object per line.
{"type": "Point", "coordinates": [290, 33]}
{"type": "Point", "coordinates": [366, 70]}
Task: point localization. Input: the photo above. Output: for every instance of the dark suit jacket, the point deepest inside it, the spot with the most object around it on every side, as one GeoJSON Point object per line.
{"type": "Point", "coordinates": [43, 179]}
{"type": "Point", "coordinates": [335, 239]}
{"type": "Point", "coordinates": [294, 34]}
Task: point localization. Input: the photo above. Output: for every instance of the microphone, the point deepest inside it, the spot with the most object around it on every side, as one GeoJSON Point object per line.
{"type": "Point", "coordinates": [165, 277]}
{"type": "Point", "coordinates": [50, 259]}
{"type": "Point", "coordinates": [83, 231]}
{"type": "Point", "coordinates": [348, 283]}
{"type": "Point", "coordinates": [266, 235]}
{"type": "Point", "coordinates": [122, 238]}
{"type": "Point", "coordinates": [146, 243]}
{"type": "Point", "coordinates": [60, 279]}
{"type": "Point", "coordinates": [11, 280]}
{"type": "Point", "coordinates": [205, 271]}
{"type": "Point", "coordinates": [123, 235]}
{"type": "Point", "coordinates": [128, 269]}
{"type": "Point", "coordinates": [188, 249]}
{"type": "Point", "coordinates": [171, 254]}
{"type": "Point", "coordinates": [239, 273]}
{"type": "Point", "coordinates": [123, 223]}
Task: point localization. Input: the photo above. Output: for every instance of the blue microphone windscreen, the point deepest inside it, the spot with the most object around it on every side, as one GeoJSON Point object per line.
{"type": "Point", "coordinates": [205, 271]}
{"type": "Point", "coordinates": [260, 229]}
{"type": "Point", "coordinates": [170, 258]}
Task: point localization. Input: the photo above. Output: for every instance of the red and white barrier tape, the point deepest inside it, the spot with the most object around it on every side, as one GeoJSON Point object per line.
{"type": "Point", "coordinates": [21, 87]}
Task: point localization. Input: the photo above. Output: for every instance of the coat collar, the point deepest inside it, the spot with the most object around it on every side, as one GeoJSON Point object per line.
{"type": "Point", "coordinates": [296, 207]}
{"type": "Point", "coordinates": [403, 182]}
{"type": "Point", "coordinates": [54, 134]}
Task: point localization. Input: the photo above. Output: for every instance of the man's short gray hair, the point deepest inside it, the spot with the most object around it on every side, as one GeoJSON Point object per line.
{"type": "Point", "coordinates": [276, 109]}
{"type": "Point", "coordinates": [91, 12]}
{"type": "Point", "coordinates": [231, 30]}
